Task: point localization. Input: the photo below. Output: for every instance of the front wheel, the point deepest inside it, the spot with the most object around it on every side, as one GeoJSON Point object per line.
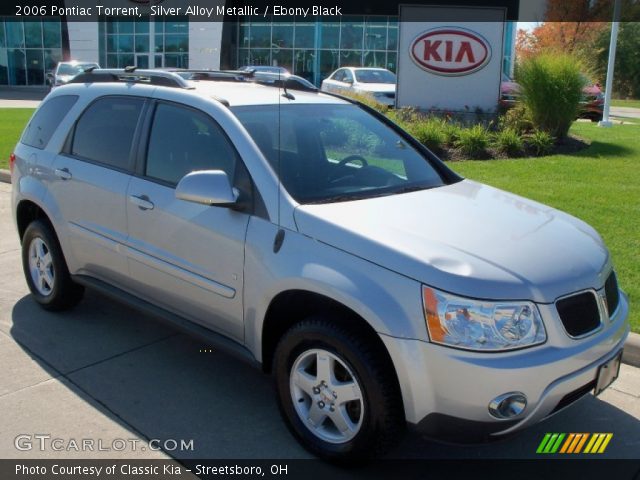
{"type": "Point", "coordinates": [337, 394]}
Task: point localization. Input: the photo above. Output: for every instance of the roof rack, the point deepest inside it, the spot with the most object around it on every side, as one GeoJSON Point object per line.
{"type": "Point", "coordinates": [131, 75]}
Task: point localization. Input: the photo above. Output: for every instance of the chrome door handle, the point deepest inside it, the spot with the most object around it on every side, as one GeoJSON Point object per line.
{"type": "Point", "coordinates": [63, 173]}
{"type": "Point", "coordinates": [142, 201]}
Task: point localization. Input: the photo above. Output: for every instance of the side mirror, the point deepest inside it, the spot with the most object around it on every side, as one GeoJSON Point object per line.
{"type": "Point", "coordinates": [49, 75]}
{"type": "Point", "coordinates": [348, 80]}
{"type": "Point", "coordinates": [207, 187]}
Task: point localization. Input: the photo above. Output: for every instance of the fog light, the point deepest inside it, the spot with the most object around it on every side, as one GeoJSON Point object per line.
{"type": "Point", "coordinates": [508, 405]}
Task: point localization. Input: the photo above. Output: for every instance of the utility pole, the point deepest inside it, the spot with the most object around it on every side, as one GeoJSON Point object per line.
{"type": "Point", "coordinates": [606, 122]}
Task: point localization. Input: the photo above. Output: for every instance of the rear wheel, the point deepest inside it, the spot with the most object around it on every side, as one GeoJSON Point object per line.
{"type": "Point", "coordinates": [336, 392]}
{"type": "Point", "coordinates": [46, 270]}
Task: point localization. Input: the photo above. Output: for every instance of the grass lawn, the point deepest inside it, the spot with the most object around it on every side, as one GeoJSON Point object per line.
{"type": "Point", "coordinates": [12, 122]}
{"type": "Point", "coordinates": [600, 185]}
{"type": "Point", "coordinates": [626, 103]}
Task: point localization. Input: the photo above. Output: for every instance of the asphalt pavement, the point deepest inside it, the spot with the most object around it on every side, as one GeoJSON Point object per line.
{"type": "Point", "coordinates": [107, 373]}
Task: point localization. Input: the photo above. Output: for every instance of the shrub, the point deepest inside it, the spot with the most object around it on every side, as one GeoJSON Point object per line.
{"type": "Point", "coordinates": [368, 100]}
{"type": "Point", "coordinates": [517, 118]}
{"type": "Point", "coordinates": [473, 141]}
{"type": "Point", "coordinates": [509, 142]}
{"type": "Point", "coordinates": [540, 142]}
{"type": "Point", "coordinates": [451, 132]}
{"type": "Point", "coordinates": [551, 88]}
{"type": "Point", "coordinates": [429, 132]}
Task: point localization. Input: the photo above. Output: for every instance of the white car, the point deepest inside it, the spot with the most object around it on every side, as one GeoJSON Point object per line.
{"type": "Point", "coordinates": [380, 83]}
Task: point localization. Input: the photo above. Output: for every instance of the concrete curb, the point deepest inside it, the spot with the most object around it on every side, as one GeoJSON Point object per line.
{"type": "Point", "coordinates": [631, 354]}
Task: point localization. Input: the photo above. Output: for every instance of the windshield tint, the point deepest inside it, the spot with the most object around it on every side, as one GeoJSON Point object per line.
{"type": "Point", "coordinates": [68, 69]}
{"type": "Point", "coordinates": [325, 152]}
{"type": "Point", "coordinates": [375, 76]}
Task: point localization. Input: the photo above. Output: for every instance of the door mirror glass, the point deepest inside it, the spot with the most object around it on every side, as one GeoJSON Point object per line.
{"type": "Point", "coordinates": [207, 187]}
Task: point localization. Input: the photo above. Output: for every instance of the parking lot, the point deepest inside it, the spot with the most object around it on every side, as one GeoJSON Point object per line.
{"type": "Point", "coordinates": [106, 372]}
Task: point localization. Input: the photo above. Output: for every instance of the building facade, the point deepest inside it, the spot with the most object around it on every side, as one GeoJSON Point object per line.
{"type": "Point", "coordinates": [311, 48]}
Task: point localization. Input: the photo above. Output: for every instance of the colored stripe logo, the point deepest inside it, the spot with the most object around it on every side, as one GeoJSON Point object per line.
{"type": "Point", "coordinates": [574, 443]}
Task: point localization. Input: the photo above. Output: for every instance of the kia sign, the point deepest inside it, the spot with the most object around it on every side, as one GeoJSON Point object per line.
{"type": "Point", "coordinates": [450, 51]}
{"type": "Point", "coordinates": [450, 66]}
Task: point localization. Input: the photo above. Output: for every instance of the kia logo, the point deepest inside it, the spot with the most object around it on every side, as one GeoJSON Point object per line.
{"type": "Point", "coordinates": [450, 51]}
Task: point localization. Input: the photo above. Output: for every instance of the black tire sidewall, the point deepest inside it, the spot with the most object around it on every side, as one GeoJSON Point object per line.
{"type": "Point", "coordinates": [310, 337]}
{"type": "Point", "coordinates": [39, 229]}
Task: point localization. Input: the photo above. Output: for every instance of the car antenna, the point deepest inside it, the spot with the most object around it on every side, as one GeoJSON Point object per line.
{"type": "Point", "coordinates": [286, 94]}
{"type": "Point", "coordinates": [130, 68]}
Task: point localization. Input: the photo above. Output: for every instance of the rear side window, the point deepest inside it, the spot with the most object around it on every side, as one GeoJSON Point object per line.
{"type": "Point", "coordinates": [104, 132]}
{"type": "Point", "coordinates": [46, 120]}
{"type": "Point", "coordinates": [184, 140]}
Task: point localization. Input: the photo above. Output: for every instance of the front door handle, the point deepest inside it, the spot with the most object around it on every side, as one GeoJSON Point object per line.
{"type": "Point", "coordinates": [63, 173]}
{"type": "Point", "coordinates": [142, 201]}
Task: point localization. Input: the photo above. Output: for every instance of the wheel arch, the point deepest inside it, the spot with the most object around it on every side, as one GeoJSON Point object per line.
{"type": "Point", "coordinates": [291, 306]}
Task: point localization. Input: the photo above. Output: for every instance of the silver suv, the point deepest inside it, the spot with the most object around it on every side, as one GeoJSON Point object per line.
{"type": "Point", "coordinates": [311, 236]}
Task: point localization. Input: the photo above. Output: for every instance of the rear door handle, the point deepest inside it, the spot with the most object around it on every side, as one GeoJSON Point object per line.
{"type": "Point", "coordinates": [63, 173]}
{"type": "Point", "coordinates": [142, 201]}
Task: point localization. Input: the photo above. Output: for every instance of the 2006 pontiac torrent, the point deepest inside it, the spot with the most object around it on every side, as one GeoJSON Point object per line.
{"type": "Point", "coordinates": [313, 237]}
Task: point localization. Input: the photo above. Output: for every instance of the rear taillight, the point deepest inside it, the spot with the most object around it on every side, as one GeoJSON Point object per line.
{"type": "Point", "coordinates": [12, 161]}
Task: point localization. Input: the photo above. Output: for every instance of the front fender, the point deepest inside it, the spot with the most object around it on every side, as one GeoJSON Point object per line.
{"type": "Point", "coordinates": [389, 302]}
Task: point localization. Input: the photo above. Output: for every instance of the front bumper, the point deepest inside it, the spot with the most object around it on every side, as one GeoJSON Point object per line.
{"type": "Point", "coordinates": [446, 392]}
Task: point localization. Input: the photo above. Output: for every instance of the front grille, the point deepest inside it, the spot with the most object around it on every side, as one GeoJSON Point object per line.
{"type": "Point", "coordinates": [579, 313]}
{"type": "Point", "coordinates": [612, 294]}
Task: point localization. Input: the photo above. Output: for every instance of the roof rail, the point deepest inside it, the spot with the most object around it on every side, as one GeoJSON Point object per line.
{"type": "Point", "coordinates": [132, 75]}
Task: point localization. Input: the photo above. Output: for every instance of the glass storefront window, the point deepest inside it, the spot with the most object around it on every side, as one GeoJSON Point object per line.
{"type": "Point", "coordinates": [17, 66]}
{"type": "Point", "coordinates": [28, 49]}
{"type": "Point", "coordinates": [142, 25]}
{"type": "Point", "coordinates": [259, 56]}
{"type": "Point", "coordinates": [51, 34]}
{"type": "Point", "coordinates": [375, 36]}
{"type": "Point", "coordinates": [176, 43]}
{"type": "Point", "coordinates": [33, 34]}
{"type": "Point", "coordinates": [282, 36]}
{"type": "Point", "coordinates": [330, 35]}
{"type": "Point", "coordinates": [304, 35]}
{"type": "Point", "coordinates": [282, 58]}
{"type": "Point", "coordinates": [125, 26]}
{"type": "Point", "coordinates": [260, 35]}
{"type": "Point", "coordinates": [125, 43]}
{"type": "Point", "coordinates": [15, 34]}
{"type": "Point", "coordinates": [351, 33]}
{"type": "Point", "coordinates": [142, 43]}
{"type": "Point", "coordinates": [319, 48]}
{"type": "Point", "coordinates": [35, 67]}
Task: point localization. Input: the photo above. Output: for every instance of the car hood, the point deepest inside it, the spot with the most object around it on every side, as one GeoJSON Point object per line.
{"type": "Point", "coordinates": [466, 238]}
{"type": "Point", "coordinates": [377, 87]}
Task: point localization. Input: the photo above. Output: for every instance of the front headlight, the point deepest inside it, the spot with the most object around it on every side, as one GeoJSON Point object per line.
{"type": "Point", "coordinates": [481, 325]}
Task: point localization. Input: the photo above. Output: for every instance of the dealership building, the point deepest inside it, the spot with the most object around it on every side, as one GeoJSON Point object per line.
{"type": "Point", "coordinates": [309, 47]}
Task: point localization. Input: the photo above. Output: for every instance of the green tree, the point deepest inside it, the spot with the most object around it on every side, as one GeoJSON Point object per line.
{"type": "Point", "coordinates": [626, 81]}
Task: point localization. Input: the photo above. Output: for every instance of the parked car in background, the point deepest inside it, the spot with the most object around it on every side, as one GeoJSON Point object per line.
{"type": "Point", "coordinates": [380, 83]}
{"type": "Point", "coordinates": [265, 69]}
{"type": "Point", "coordinates": [65, 71]}
{"type": "Point", "coordinates": [591, 106]}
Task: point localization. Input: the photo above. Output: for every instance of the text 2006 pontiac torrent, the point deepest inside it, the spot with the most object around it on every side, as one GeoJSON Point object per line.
{"type": "Point", "coordinates": [312, 236]}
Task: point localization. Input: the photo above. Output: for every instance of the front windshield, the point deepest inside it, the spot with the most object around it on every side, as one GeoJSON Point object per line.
{"type": "Point", "coordinates": [335, 152]}
{"type": "Point", "coordinates": [75, 69]}
{"type": "Point", "coordinates": [375, 76]}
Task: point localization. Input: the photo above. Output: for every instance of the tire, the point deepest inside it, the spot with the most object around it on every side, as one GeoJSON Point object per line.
{"type": "Point", "coordinates": [361, 372]}
{"type": "Point", "coordinates": [45, 269]}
